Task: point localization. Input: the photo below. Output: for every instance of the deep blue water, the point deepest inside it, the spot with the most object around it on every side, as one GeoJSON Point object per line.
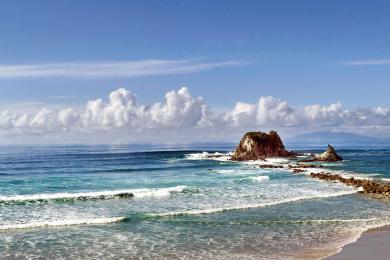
{"type": "Point", "coordinates": [76, 202]}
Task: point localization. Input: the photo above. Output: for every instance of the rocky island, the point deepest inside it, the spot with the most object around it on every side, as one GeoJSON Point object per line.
{"type": "Point", "coordinates": [260, 145]}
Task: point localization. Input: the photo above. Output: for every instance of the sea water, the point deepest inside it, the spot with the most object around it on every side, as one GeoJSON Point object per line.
{"type": "Point", "coordinates": [147, 202]}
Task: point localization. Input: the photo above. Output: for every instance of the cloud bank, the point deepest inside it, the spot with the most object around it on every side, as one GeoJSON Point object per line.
{"type": "Point", "coordinates": [120, 69]}
{"type": "Point", "coordinates": [181, 113]}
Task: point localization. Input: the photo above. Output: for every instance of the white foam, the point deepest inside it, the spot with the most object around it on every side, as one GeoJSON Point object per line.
{"type": "Point", "coordinates": [250, 206]}
{"type": "Point", "coordinates": [209, 156]}
{"type": "Point", "coordinates": [269, 161]}
{"type": "Point", "coordinates": [157, 192]}
{"type": "Point", "coordinates": [226, 171]}
{"type": "Point", "coordinates": [278, 160]}
{"type": "Point", "coordinates": [57, 223]}
{"type": "Point", "coordinates": [386, 179]}
{"type": "Point", "coordinates": [252, 162]}
{"type": "Point", "coordinates": [162, 192]}
{"type": "Point", "coordinates": [259, 178]}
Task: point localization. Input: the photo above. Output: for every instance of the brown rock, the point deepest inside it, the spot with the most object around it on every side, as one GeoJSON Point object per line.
{"type": "Point", "coordinates": [259, 145]}
{"type": "Point", "coordinates": [264, 166]}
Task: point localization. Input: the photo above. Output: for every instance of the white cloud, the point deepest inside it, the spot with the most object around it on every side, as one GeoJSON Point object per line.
{"type": "Point", "coordinates": [367, 62]}
{"type": "Point", "coordinates": [181, 113]}
{"type": "Point", "coordinates": [112, 69]}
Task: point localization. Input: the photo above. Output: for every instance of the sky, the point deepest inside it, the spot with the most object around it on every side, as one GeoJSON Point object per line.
{"type": "Point", "coordinates": [72, 71]}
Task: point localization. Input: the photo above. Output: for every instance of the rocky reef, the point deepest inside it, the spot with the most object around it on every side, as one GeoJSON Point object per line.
{"type": "Point", "coordinates": [269, 166]}
{"type": "Point", "coordinates": [260, 145]}
{"type": "Point", "coordinates": [304, 166]}
{"type": "Point", "coordinates": [367, 186]}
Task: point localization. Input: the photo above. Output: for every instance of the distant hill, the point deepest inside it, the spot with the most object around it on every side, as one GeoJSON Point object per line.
{"type": "Point", "coordinates": [336, 138]}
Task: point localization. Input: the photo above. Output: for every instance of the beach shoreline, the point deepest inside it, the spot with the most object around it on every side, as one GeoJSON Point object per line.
{"type": "Point", "coordinates": [371, 244]}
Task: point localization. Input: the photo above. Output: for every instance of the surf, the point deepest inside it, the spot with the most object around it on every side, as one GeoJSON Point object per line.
{"type": "Point", "coordinates": [59, 223]}
{"type": "Point", "coordinates": [84, 196]}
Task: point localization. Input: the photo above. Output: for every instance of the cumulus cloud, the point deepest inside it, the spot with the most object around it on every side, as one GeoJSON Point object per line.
{"type": "Point", "coordinates": [180, 110]}
{"type": "Point", "coordinates": [117, 69]}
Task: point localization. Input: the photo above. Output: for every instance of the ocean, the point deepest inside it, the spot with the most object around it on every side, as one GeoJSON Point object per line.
{"type": "Point", "coordinates": [135, 202]}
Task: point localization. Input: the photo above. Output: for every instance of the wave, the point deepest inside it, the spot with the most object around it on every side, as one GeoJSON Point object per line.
{"type": "Point", "coordinates": [102, 221]}
{"type": "Point", "coordinates": [259, 178]}
{"type": "Point", "coordinates": [209, 156]}
{"type": "Point", "coordinates": [98, 195]}
{"type": "Point", "coordinates": [58, 223]}
{"type": "Point", "coordinates": [277, 161]}
{"type": "Point", "coordinates": [251, 206]}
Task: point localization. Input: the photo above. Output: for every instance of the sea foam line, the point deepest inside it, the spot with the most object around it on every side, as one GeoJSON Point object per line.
{"type": "Point", "coordinates": [138, 193]}
{"type": "Point", "coordinates": [58, 223]}
{"type": "Point", "coordinates": [249, 206]}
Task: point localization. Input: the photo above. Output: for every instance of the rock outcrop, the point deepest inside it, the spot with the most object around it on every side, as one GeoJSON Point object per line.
{"type": "Point", "coordinates": [259, 145]}
{"type": "Point", "coordinates": [367, 186]}
{"type": "Point", "coordinates": [329, 155]}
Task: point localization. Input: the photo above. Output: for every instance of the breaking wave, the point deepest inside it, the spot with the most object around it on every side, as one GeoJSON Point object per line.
{"type": "Point", "coordinates": [58, 223]}
{"type": "Point", "coordinates": [259, 178]}
{"type": "Point", "coordinates": [209, 156]}
{"type": "Point", "coordinates": [98, 195]}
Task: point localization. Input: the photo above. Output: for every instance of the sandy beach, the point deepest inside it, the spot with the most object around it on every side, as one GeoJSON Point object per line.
{"type": "Point", "coordinates": [373, 245]}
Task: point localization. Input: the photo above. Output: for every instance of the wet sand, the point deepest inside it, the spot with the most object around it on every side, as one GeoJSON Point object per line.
{"type": "Point", "coordinates": [374, 244]}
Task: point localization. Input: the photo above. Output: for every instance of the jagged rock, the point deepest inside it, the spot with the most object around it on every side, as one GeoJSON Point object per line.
{"type": "Point", "coordinates": [259, 145]}
{"type": "Point", "coordinates": [329, 155]}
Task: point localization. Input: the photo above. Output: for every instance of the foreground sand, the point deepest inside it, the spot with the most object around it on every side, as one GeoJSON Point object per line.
{"type": "Point", "coordinates": [374, 244]}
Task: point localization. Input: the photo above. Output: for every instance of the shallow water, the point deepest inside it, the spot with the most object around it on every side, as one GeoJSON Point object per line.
{"type": "Point", "coordinates": [100, 201]}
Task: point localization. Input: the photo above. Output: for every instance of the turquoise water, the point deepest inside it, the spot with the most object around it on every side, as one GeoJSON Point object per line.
{"type": "Point", "coordinates": [110, 202]}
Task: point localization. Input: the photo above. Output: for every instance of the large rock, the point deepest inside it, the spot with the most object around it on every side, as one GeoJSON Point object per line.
{"type": "Point", "coordinates": [259, 145]}
{"type": "Point", "coordinates": [329, 156]}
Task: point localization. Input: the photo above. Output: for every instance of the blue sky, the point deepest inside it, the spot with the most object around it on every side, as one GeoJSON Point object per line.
{"type": "Point", "coordinates": [292, 47]}
{"type": "Point", "coordinates": [304, 52]}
